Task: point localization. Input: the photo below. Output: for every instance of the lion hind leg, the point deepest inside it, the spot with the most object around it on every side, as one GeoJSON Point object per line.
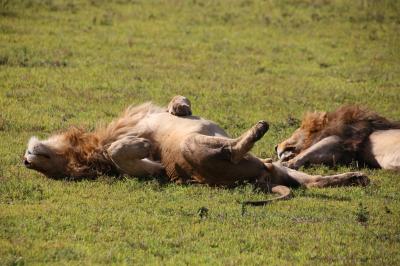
{"type": "Point", "coordinates": [345, 179]}
{"type": "Point", "coordinates": [289, 177]}
{"type": "Point", "coordinates": [245, 143]}
{"type": "Point", "coordinates": [233, 150]}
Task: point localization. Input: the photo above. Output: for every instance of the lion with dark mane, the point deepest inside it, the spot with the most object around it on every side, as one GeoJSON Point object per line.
{"type": "Point", "coordinates": [350, 133]}
{"type": "Point", "coordinates": [148, 140]}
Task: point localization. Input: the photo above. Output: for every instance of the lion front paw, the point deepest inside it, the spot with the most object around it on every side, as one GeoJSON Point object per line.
{"type": "Point", "coordinates": [292, 164]}
{"type": "Point", "coordinates": [180, 106]}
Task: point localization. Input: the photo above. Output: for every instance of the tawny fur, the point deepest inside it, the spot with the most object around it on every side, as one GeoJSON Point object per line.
{"type": "Point", "coordinates": [85, 151]}
{"type": "Point", "coordinates": [147, 140]}
{"type": "Point", "coordinates": [355, 129]}
{"type": "Point", "coordinates": [352, 123]}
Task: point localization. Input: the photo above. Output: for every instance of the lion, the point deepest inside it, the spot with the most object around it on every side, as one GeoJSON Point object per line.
{"type": "Point", "coordinates": [348, 134]}
{"type": "Point", "coordinates": [147, 140]}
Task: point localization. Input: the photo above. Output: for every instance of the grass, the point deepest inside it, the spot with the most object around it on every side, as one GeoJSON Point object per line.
{"type": "Point", "coordinates": [81, 62]}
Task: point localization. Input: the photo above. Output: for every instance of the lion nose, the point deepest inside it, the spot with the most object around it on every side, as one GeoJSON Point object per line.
{"type": "Point", "coordinates": [276, 148]}
{"type": "Point", "coordinates": [26, 162]}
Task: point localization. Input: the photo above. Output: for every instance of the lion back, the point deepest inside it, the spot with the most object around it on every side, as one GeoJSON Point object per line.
{"type": "Point", "coordinates": [354, 124]}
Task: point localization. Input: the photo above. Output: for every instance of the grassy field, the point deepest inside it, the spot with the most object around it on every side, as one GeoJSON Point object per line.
{"type": "Point", "coordinates": [81, 62]}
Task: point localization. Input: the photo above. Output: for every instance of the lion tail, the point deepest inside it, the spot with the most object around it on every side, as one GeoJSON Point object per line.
{"type": "Point", "coordinates": [283, 191]}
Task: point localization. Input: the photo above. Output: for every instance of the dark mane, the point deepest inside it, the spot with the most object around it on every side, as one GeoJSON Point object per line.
{"type": "Point", "coordinates": [353, 123]}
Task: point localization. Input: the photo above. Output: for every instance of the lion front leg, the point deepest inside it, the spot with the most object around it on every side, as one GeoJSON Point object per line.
{"type": "Point", "coordinates": [225, 161]}
{"type": "Point", "coordinates": [327, 151]}
{"type": "Point", "coordinates": [180, 106]}
{"type": "Point", "coordinates": [130, 155]}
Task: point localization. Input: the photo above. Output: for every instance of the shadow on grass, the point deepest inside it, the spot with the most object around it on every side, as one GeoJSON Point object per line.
{"type": "Point", "coordinates": [324, 196]}
{"type": "Point", "coordinates": [163, 181]}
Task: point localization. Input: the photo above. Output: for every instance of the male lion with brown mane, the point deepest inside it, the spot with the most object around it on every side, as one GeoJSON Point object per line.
{"type": "Point", "coordinates": [146, 140]}
{"type": "Point", "coordinates": [350, 133]}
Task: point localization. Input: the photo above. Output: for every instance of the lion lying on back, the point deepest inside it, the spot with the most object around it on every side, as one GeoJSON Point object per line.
{"type": "Point", "coordinates": [146, 140]}
{"type": "Point", "coordinates": [348, 134]}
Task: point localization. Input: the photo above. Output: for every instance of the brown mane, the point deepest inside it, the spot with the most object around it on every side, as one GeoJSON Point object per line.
{"type": "Point", "coordinates": [353, 123]}
{"type": "Point", "coordinates": [84, 153]}
{"type": "Point", "coordinates": [85, 150]}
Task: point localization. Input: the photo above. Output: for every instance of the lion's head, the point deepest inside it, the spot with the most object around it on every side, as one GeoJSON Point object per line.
{"type": "Point", "coordinates": [46, 157]}
{"type": "Point", "coordinates": [72, 154]}
{"type": "Point", "coordinates": [353, 124]}
{"type": "Point", "coordinates": [308, 133]}
{"type": "Point", "coordinates": [78, 154]}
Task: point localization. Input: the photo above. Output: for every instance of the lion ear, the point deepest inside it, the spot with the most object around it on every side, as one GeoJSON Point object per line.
{"type": "Point", "coordinates": [33, 141]}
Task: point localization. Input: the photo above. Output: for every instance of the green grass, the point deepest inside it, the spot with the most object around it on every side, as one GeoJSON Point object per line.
{"type": "Point", "coordinates": [81, 62]}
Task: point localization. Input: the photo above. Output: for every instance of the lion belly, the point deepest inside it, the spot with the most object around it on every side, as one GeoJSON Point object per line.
{"type": "Point", "coordinates": [385, 147]}
{"type": "Point", "coordinates": [169, 133]}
